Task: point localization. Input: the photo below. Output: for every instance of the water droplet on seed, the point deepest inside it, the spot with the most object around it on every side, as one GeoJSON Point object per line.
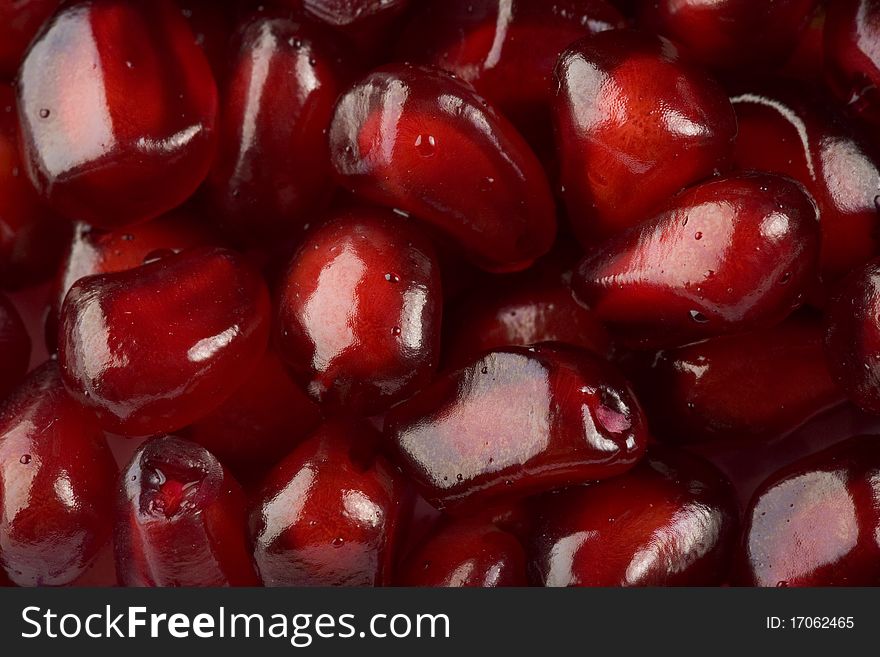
{"type": "Point", "coordinates": [426, 145]}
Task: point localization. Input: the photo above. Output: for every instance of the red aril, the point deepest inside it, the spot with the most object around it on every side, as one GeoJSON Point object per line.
{"type": "Point", "coordinates": [57, 477]}
{"type": "Point", "coordinates": [118, 108]}
{"type": "Point", "coordinates": [155, 348]}
{"type": "Point", "coordinates": [728, 256]}
{"type": "Point", "coordinates": [418, 140]}
{"type": "Point", "coordinates": [517, 421]}
{"type": "Point", "coordinates": [181, 520]}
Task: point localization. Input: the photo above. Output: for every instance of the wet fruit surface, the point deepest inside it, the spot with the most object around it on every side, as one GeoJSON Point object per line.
{"type": "Point", "coordinates": [576, 420]}
{"type": "Point", "coordinates": [851, 35]}
{"type": "Point", "coordinates": [117, 121]}
{"type": "Point", "coordinates": [669, 522]}
{"type": "Point", "coordinates": [328, 514]}
{"type": "Point", "coordinates": [467, 554]}
{"type": "Point", "coordinates": [789, 130]}
{"type": "Point", "coordinates": [442, 293]}
{"type": "Point", "coordinates": [753, 385]}
{"type": "Point", "coordinates": [182, 520]}
{"type": "Point", "coordinates": [506, 50]}
{"type": "Point", "coordinates": [272, 171]}
{"type": "Point", "coordinates": [815, 523]}
{"type": "Point", "coordinates": [631, 113]}
{"type": "Point", "coordinates": [520, 310]}
{"type": "Point", "coordinates": [57, 504]}
{"type": "Point", "coordinates": [419, 140]}
{"type": "Point", "coordinates": [92, 252]}
{"type": "Point", "coordinates": [175, 335]}
{"type": "Point", "coordinates": [360, 310]}
{"type": "Point", "coordinates": [726, 256]}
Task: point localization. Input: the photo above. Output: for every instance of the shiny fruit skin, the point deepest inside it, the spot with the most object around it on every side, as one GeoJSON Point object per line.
{"type": "Point", "coordinates": [506, 50]}
{"type": "Point", "coordinates": [757, 385]}
{"type": "Point", "coordinates": [731, 34]}
{"type": "Point", "coordinates": [57, 477]}
{"type": "Point", "coordinates": [118, 109]}
{"type": "Point", "coordinates": [15, 347]}
{"type": "Point", "coordinates": [259, 424]}
{"type": "Point", "coordinates": [672, 521]}
{"type": "Point", "coordinates": [852, 62]}
{"type": "Point", "coordinates": [418, 140]}
{"type": "Point", "coordinates": [465, 553]}
{"type": "Point", "coordinates": [635, 124]}
{"type": "Point", "coordinates": [463, 440]}
{"type": "Point", "coordinates": [328, 514]}
{"type": "Point", "coordinates": [155, 348]}
{"type": "Point", "coordinates": [359, 311]}
{"type": "Point", "coordinates": [32, 236]}
{"type": "Point", "coordinates": [92, 252]}
{"type": "Point", "coordinates": [272, 173]}
{"type": "Point", "coordinates": [852, 339]}
{"type": "Point", "coordinates": [786, 129]}
{"type": "Point", "coordinates": [520, 310]}
{"type": "Point", "coordinates": [728, 256]}
{"type": "Point", "coordinates": [181, 520]}
{"type": "Point", "coordinates": [815, 522]}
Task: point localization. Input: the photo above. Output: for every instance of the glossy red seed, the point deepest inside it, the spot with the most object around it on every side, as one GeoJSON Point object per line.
{"type": "Point", "coordinates": [359, 311]}
{"type": "Point", "coordinates": [328, 514]}
{"type": "Point", "coordinates": [670, 522]}
{"type": "Point", "coordinates": [273, 169]}
{"type": "Point", "coordinates": [158, 347]}
{"type": "Point", "coordinates": [419, 140]}
{"type": "Point", "coordinates": [635, 123]}
{"type": "Point", "coordinates": [853, 336]}
{"type": "Point", "coordinates": [19, 22]}
{"type": "Point", "coordinates": [816, 522]}
{"type": "Point", "coordinates": [92, 252]}
{"type": "Point", "coordinates": [118, 109]}
{"type": "Point", "coordinates": [466, 554]}
{"type": "Point", "coordinates": [32, 237]}
{"type": "Point", "coordinates": [785, 129]}
{"type": "Point", "coordinates": [520, 310]}
{"type": "Point", "coordinates": [852, 58]}
{"type": "Point", "coordinates": [56, 481]}
{"type": "Point", "coordinates": [506, 50]}
{"type": "Point", "coordinates": [731, 34]}
{"type": "Point", "coordinates": [263, 420]}
{"type": "Point", "coordinates": [727, 256]}
{"type": "Point", "coordinates": [181, 520]}
{"type": "Point", "coordinates": [15, 347]}
{"type": "Point", "coordinates": [517, 421]}
{"type": "Point", "coordinates": [754, 385]}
